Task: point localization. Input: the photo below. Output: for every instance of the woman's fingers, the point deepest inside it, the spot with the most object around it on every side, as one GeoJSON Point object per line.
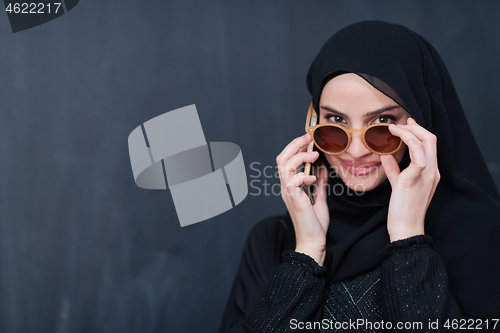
{"type": "Point", "coordinates": [418, 161]}
{"type": "Point", "coordinates": [296, 147]}
{"type": "Point", "coordinates": [391, 168]}
{"type": "Point", "coordinates": [422, 146]}
{"type": "Point", "coordinates": [415, 148]}
{"type": "Point", "coordinates": [427, 138]}
{"type": "Point", "coordinates": [290, 167]}
{"type": "Point", "coordinates": [289, 162]}
{"type": "Point", "coordinates": [293, 148]}
{"type": "Point", "coordinates": [404, 133]}
{"type": "Point", "coordinates": [414, 187]}
{"type": "Point", "coordinates": [310, 222]}
{"type": "Point", "coordinates": [303, 149]}
{"type": "Point", "coordinates": [292, 187]}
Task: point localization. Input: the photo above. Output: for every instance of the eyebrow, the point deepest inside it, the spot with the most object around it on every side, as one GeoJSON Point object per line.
{"type": "Point", "coordinates": [368, 114]}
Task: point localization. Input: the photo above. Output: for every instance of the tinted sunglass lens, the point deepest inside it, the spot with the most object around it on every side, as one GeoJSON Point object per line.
{"type": "Point", "coordinates": [331, 139]}
{"type": "Point", "coordinates": [380, 139]}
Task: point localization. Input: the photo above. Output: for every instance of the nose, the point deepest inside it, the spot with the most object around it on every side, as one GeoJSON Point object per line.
{"type": "Point", "coordinates": [357, 149]}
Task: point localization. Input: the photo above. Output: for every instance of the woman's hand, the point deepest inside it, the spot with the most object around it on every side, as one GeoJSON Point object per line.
{"type": "Point", "coordinates": [414, 187]}
{"type": "Point", "coordinates": [310, 221]}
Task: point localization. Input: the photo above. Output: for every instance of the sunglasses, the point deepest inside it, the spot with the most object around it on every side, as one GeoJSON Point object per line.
{"type": "Point", "coordinates": [335, 139]}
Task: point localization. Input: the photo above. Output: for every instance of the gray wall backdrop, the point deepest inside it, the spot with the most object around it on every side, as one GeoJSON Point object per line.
{"type": "Point", "coordinates": [82, 248]}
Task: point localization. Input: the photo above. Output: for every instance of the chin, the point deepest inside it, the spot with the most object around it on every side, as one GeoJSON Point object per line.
{"type": "Point", "coordinates": [361, 185]}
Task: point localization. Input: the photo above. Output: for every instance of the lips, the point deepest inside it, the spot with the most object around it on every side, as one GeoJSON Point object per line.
{"type": "Point", "coordinates": [360, 168]}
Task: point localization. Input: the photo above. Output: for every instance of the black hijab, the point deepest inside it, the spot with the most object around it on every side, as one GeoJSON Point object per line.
{"type": "Point", "coordinates": [464, 215]}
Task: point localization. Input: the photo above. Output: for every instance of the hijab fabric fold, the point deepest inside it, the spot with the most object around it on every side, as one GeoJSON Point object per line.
{"type": "Point", "coordinates": [464, 215]}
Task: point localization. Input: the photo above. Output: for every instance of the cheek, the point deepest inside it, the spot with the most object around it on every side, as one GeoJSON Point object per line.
{"type": "Point", "coordinates": [332, 160]}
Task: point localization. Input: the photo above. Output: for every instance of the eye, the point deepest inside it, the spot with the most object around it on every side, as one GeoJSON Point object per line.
{"type": "Point", "coordinates": [385, 119]}
{"type": "Point", "coordinates": [336, 119]}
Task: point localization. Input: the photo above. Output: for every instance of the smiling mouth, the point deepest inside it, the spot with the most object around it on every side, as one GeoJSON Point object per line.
{"type": "Point", "coordinates": [360, 168]}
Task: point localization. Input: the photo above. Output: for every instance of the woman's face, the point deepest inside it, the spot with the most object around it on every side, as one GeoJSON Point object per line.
{"type": "Point", "coordinates": [348, 100]}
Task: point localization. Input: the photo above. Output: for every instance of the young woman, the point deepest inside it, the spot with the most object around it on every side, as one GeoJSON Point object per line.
{"type": "Point", "coordinates": [402, 235]}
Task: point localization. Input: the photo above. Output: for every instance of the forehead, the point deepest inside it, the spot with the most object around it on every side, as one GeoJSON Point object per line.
{"type": "Point", "coordinates": [351, 94]}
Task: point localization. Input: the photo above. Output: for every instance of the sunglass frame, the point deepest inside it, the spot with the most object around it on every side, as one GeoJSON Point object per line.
{"type": "Point", "coordinates": [310, 128]}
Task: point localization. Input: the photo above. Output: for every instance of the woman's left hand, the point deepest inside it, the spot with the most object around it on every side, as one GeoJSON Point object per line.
{"type": "Point", "coordinates": [414, 187]}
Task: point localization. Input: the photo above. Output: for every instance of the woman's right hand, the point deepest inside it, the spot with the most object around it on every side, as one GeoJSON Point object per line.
{"type": "Point", "coordinates": [310, 221]}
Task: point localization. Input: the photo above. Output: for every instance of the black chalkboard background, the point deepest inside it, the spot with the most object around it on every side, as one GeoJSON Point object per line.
{"type": "Point", "coordinates": [82, 248]}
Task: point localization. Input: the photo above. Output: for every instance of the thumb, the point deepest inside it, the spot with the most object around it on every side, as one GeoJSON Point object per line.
{"type": "Point", "coordinates": [391, 167]}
